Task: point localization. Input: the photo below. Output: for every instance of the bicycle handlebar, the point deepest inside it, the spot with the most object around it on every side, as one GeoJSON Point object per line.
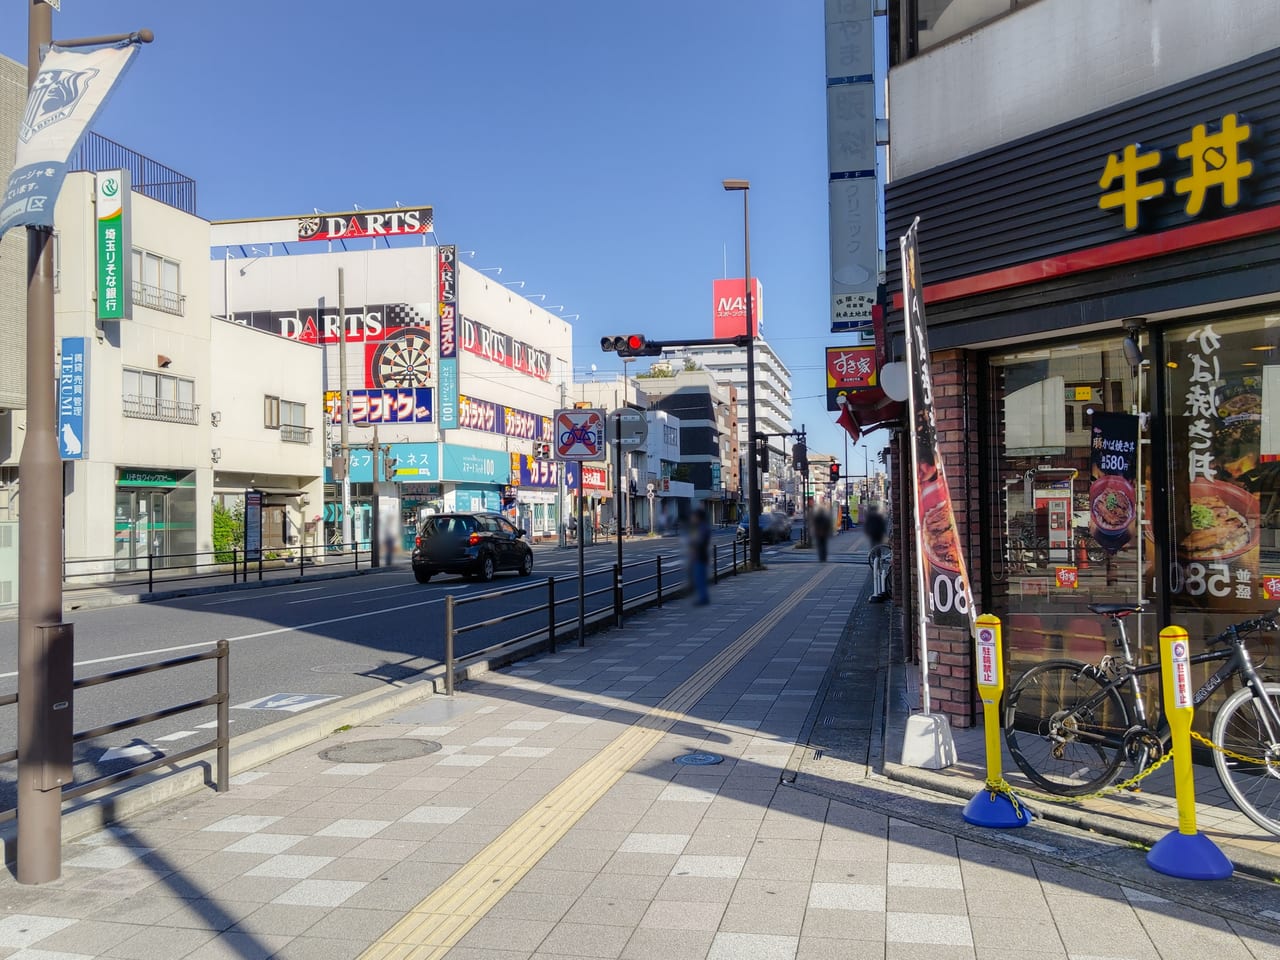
{"type": "Point", "coordinates": [1261, 623]}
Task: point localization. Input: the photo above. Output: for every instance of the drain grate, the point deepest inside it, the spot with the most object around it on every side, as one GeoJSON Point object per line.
{"type": "Point", "coordinates": [379, 751]}
{"type": "Point", "coordinates": [699, 759]}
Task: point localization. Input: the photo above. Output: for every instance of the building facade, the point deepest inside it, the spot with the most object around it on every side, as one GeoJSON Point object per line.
{"type": "Point", "coordinates": [1102, 287]}
{"type": "Point", "coordinates": [450, 376]}
{"type": "Point", "coordinates": [728, 365]}
{"type": "Point", "coordinates": [704, 408]}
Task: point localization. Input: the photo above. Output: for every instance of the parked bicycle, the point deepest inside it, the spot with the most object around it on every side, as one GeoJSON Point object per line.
{"type": "Point", "coordinates": [1070, 725]}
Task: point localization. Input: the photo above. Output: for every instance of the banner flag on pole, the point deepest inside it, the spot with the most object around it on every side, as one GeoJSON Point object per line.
{"type": "Point", "coordinates": [946, 599]}
{"type": "Point", "coordinates": [68, 94]}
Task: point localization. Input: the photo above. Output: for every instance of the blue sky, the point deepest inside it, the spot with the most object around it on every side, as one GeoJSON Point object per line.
{"type": "Point", "coordinates": [578, 144]}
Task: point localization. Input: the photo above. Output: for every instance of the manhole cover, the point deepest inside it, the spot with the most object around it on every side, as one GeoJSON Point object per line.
{"type": "Point", "coordinates": [379, 751]}
{"type": "Point", "coordinates": [699, 759]}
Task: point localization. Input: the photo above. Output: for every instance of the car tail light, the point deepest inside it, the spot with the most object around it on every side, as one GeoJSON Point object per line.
{"type": "Point", "coordinates": [473, 539]}
{"type": "Point", "coordinates": [417, 542]}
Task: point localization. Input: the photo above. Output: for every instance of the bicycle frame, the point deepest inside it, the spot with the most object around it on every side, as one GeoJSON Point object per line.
{"type": "Point", "coordinates": [1237, 660]}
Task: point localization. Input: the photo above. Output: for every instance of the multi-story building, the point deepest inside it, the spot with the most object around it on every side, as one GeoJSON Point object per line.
{"type": "Point", "coordinates": [1098, 187]}
{"type": "Point", "coordinates": [773, 406]}
{"type": "Point", "coordinates": [704, 408]}
{"type": "Point", "coordinates": [454, 373]}
{"type": "Point", "coordinates": [611, 393]}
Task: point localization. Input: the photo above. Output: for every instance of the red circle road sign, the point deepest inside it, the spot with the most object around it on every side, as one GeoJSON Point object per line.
{"type": "Point", "coordinates": [579, 434]}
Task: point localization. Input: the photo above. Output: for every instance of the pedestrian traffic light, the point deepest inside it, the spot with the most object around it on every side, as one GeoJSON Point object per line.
{"type": "Point", "coordinates": [389, 468]}
{"type": "Point", "coordinates": [630, 345]}
{"type": "Point", "coordinates": [835, 471]}
{"type": "Point", "coordinates": [541, 450]}
{"type": "Point", "coordinates": [800, 457]}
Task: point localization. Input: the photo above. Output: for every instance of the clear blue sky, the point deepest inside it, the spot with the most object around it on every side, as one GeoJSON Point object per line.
{"type": "Point", "coordinates": [578, 144]}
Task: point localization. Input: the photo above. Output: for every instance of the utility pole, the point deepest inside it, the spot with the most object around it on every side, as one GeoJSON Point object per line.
{"type": "Point", "coordinates": [46, 645]}
{"type": "Point", "coordinates": [561, 519]}
{"type": "Point", "coordinates": [342, 387]}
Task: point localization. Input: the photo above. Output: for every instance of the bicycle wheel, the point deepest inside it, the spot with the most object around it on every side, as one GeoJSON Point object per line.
{"type": "Point", "coordinates": [1064, 728]}
{"type": "Point", "coordinates": [1255, 787]}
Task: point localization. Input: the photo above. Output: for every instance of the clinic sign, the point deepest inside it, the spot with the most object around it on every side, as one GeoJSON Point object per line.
{"type": "Point", "coordinates": [114, 284]}
{"type": "Point", "coordinates": [73, 390]}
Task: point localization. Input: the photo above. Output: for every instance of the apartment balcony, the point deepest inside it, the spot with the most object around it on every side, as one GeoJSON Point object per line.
{"type": "Point", "coordinates": [154, 408]}
{"type": "Point", "coordinates": [292, 434]}
{"type": "Point", "coordinates": [157, 298]}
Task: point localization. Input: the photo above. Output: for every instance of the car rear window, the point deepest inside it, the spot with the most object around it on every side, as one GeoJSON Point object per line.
{"type": "Point", "coordinates": [447, 526]}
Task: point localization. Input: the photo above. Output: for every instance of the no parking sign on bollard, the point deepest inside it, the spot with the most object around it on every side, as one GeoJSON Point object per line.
{"type": "Point", "coordinates": [994, 805]}
{"type": "Point", "coordinates": [1185, 852]}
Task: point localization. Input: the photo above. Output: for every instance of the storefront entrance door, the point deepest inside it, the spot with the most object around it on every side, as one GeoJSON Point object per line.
{"type": "Point", "coordinates": [142, 529]}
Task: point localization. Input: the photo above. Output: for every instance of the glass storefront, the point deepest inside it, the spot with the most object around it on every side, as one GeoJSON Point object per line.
{"type": "Point", "coordinates": [155, 515]}
{"type": "Point", "coordinates": [1110, 483]}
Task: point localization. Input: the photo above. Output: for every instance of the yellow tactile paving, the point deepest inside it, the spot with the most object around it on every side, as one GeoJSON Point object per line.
{"type": "Point", "coordinates": [436, 924]}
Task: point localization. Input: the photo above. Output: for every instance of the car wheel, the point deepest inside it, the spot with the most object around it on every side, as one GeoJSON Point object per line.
{"type": "Point", "coordinates": [422, 576]}
{"type": "Point", "coordinates": [526, 565]}
{"type": "Point", "coordinates": [485, 572]}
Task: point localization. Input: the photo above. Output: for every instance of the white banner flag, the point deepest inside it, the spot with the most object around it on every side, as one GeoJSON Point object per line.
{"type": "Point", "coordinates": [69, 91]}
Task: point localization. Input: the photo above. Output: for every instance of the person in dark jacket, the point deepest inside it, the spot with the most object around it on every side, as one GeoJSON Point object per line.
{"type": "Point", "coordinates": [699, 544]}
{"type": "Point", "coordinates": [875, 529]}
{"type": "Point", "coordinates": [821, 533]}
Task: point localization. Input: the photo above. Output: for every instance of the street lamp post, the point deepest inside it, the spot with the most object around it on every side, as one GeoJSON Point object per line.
{"type": "Point", "coordinates": [753, 481]}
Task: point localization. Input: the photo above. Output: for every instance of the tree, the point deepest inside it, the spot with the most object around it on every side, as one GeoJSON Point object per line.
{"type": "Point", "coordinates": [690, 364]}
{"type": "Point", "coordinates": [228, 531]}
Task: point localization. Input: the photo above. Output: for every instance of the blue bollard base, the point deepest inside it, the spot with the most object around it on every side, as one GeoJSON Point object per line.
{"type": "Point", "coordinates": [1189, 856]}
{"type": "Point", "coordinates": [988, 809]}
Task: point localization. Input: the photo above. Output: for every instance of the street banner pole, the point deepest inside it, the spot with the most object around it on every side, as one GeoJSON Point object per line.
{"type": "Point", "coordinates": [582, 579]}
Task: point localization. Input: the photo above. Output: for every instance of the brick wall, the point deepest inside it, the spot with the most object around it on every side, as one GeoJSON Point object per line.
{"type": "Point", "coordinates": [956, 410]}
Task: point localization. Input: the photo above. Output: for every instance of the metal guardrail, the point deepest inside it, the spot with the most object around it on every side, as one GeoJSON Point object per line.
{"type": "Point", "coordinates": [221, 741]}
{"type": "Point", "coordinates": [619, 603]}
{"type": "Point", "coordinates": [210, 564]}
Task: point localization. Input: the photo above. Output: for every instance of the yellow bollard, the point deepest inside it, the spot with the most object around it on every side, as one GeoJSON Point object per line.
{"type": "Point", "coordinates": [1184, 852]}
{"type": "Point", "coordinates": [992, 807]}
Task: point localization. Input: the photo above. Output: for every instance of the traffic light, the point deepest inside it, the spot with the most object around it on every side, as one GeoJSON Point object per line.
{"type": "Point", "coordinates": [389, 468]}
{"type": "Point", "coordinates": [800, 457]}
{"type": "Point", "coordinates": [631, 345]}
{"type": "Point", "coordinates": [541, 450]}
{"type": "Point", "coordinates": [835, 471]}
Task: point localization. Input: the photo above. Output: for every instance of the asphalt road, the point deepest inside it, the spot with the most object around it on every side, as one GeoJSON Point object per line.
{"type": "Point", "coordinates": [294, 646]}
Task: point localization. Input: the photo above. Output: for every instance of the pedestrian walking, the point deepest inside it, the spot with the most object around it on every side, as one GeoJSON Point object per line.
{"type": "Point", "coordinates": [699, 545]}
{"type": "Point", "coordinates": [874, 528]}
{"type": "Point", "coordinates": [821, 533]}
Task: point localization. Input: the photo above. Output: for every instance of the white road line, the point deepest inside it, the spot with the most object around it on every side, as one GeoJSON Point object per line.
{"type": "Point", "coordinates": [254, 594]}
{"type": "Point", "coordinates": [352, 593]}
{"type": "Point", "coordinates": [248, 636]}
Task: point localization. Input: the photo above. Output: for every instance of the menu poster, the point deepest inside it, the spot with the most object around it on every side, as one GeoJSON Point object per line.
{"type": "Point", "coordinates": [1217, 440]}
{"type": "Point", "coordinates": [1113, 503]}
{"type": "Point", "coordinates": [948, 600]}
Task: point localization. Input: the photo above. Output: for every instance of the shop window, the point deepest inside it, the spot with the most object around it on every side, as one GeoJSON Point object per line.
{"type": "Point", "coordinates": [1222, 382]}
{"type": "Point", "coordinates": [158, 396]}
{"type": "Point", "coordinates": [1047, 558]}
{"type": "Point", "coordinates": [157, 283]}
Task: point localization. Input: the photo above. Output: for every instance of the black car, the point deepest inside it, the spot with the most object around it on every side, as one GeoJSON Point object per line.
{"type": "Point", "coordinates": [775, 527]}
{"type": "Point", "coordinates": [472, 544]}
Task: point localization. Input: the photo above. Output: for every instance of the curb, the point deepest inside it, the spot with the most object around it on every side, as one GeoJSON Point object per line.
{"type": "Point", "coordinates": [1245, 860]}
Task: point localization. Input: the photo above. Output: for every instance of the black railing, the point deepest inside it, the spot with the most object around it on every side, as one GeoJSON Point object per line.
{"type": "Point", "coordinates": [655, 591]}
{"type": "Point", "coordinates": [158, 570]}
{"type": "Point", "coordinates": [154, 408]}
{"type": "Point", "coordinates": [97, 153]}
{"type": "Point", "coordinates": [221, 698]}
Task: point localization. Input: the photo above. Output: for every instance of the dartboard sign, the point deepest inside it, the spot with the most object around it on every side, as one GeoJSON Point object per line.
{"type": "Point", "coordinates": [403, 360]}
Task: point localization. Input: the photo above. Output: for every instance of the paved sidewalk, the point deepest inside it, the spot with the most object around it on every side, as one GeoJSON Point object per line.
{"type": "Point", "coordinates": [553, 822]}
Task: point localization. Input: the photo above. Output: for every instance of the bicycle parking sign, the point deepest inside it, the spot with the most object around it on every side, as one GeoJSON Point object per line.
{"type": "Point", "coordinates": [579, 434]}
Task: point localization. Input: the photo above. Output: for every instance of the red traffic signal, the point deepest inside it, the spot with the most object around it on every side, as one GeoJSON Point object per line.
{"type": "Point", "coordinates": [835, 471]}
{"type": "Point", "coordinates": [630, 345]}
